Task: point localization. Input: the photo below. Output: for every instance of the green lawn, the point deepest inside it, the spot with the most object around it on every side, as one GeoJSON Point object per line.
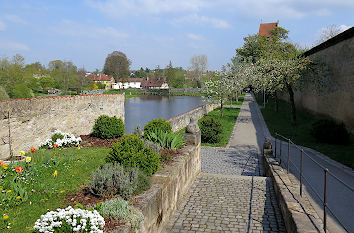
{"type": "Point", "coordinates": [300, 133]}
{"type": "Point", "coordinates": [44, 190]}
{"type": "Point", "coordinates": [228, 121]}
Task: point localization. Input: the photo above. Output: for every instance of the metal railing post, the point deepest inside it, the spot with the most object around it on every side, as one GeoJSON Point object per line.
{"type": "Point", "coordinates": [325, 200]}
{"type": "Point", "coordinates": [301, 154]}
{"type": "Point", "coordinates": [280, 153]}
{"type": "Point", "coordinates": [288, 155]}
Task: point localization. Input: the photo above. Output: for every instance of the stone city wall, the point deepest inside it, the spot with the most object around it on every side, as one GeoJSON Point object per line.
{"type": "Point", "coordinates": [34, 120]}
{"type": "Point", "coordinates": [182, 120]}
{"type": "Point", "coordinates": [336, 98]}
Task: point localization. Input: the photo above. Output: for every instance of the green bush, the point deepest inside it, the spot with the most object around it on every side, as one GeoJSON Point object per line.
{"type": "Point", "coordinates": [119, 210]}
{"type": "Point", "coordinates": [21, 91]}
{"type": "Point", "coordinates": [328, 131]}
{"type": "Point", "coordinates": [211, 129]}
{"type": "Point", "coordinates": [130, 151]}
{"type": "Point", "coordinates": [111, 179]}
{"type": "Point", "coordinates": [165, 139]}
{"type": "Point", "coordinates": [157, 124]}
{"type": "Point", "coordinates": [108, 127]}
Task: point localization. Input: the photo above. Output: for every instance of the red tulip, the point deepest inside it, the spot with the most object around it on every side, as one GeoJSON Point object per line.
{"type": "Point", "coordinates": [33, 149]}
{"type": "Point", "coordinates": [19, 169]}
{"type": "Point", "coordinates": [55, 145]}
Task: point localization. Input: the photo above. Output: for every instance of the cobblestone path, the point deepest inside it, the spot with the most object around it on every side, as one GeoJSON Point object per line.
{"type": "Point", "coordinates": [231, 194]}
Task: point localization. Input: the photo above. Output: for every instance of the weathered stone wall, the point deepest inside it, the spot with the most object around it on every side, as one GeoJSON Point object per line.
{"type": "Point", "coordinates": [34, 120]}
{"type": "Point", "coordinates": [182, 120]}
{"type": "Point", "coordinates": [169, 185]}
{"type": "Point", "coordinates": [337, 98]}
{"type": "Point", "coordinates": [190, 90]}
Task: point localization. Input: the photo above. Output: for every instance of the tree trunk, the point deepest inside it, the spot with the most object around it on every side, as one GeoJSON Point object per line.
{"type": "Point", "coordinates": [276, 105]}
{"type": "Point", "coordinates": [292, 103]}
{"type": "Point", "coordinates": [236, 97]}
{"type": "Point", "coordinates": [221, 108]}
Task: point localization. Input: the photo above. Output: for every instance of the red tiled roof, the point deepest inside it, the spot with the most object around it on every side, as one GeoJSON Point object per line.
{"type": "Point", "coordinates": [265, 28]}
{"type": "Point", "coordinates": [152, 82]}
{"type": "Point", "coordinates": [101, 77]}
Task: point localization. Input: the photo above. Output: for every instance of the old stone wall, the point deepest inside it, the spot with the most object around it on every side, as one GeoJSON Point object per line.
{"type": "Point", "coordinates": [182, 120]}
{"type": "Point", "coordinates": [34, 120]}
{"type": "Point", "coordinates": [336, 98]}
{"type": "Point", "coordinates": [169, 185]}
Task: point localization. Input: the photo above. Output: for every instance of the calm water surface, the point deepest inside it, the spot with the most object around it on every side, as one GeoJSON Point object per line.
{"type": "Point", "coordinates": [140, 110]}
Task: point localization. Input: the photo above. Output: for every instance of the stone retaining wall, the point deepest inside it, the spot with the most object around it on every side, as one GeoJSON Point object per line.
{"type": "Point", "coordinates": [169, 185]}
{"type": "Point", "coordinates": [182, 120]}
{"type": "Point", "coordinates": [34, 120]}
{"type": "Point", "coordinates": [298, 214]}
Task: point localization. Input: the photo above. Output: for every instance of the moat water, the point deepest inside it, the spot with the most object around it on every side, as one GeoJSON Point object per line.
{"type": "Point", "coordinates": [140, 110]}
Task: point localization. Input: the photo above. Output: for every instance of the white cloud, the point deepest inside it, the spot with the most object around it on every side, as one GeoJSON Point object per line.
{"type": "Point", "coordinates": [294, 9]}
{"type": "Point", "coordinates": [14, 19]}
{"type": "Point", "coordinates": [2, 26]}
{"type": "Point", "coordinates": [71, 28]}
{"type": "Point", "coordinates": [196, 19]}
{"type": "Point", "coordinates": [194, 36]}
{"type": "Point", "coordinates": [117, 8]}
{"type": "Point", "coordinates": [13, 46]}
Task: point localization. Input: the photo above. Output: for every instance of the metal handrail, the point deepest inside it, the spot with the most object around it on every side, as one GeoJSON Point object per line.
{"type": "Point", "coordinates": [326, 173]}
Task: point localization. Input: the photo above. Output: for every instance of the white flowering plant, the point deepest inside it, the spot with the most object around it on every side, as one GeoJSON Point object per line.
{"type": "Point", "coordinates": [60, 139]}
{"type": "Point", "coordinates": [70, 220]}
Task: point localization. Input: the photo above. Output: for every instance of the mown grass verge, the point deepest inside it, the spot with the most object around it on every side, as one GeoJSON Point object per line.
{"type": "Point", "coordinates": [279, 122]}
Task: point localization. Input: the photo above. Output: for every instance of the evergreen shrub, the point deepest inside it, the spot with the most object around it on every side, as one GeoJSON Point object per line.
{"type": "Point", "coordinates": [131, 151]}
{"type": "Point", "coordinates": [108, 127]}
{"type": "Point", "coordinates": [328, 131]}
{"type": "Point", "coordinates": [211, 129]}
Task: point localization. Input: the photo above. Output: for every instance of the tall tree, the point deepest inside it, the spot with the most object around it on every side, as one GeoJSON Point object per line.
{"type": "Point", "coordinates": [117, 64]}
{"type": "Point", "coordinates": [170, 74]}
{"type": "Point", "coordinates": [199, 65]}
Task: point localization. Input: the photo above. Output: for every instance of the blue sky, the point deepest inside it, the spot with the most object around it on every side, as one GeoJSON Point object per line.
{"type": "Point", "coordinates": [153, 32]}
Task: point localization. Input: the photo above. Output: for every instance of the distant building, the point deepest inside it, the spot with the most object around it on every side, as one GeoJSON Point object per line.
{"type": "Point", "coordinates": [125, 83]}
{"type": "Point", "coordinates": [155, 83]}
{"type": "Point", "coordinates": [139, 83]}
{"type": "Point", "coordinates": [266, 28]}
{"type": "Point", "coordinates": [107, 80]}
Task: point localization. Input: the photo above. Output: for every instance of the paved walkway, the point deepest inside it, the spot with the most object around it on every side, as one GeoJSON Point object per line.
{"type": "Point", "coordinates": [231, 195]}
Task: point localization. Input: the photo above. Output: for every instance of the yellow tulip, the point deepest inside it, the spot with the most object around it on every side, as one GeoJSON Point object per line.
{"type": "Point", "coordinates": [28, 159]}
{"type": "Point", "coordinates": [5, 166]}
{"type": "Point", "coordinates": [22, 153]}
{"type": "Point", "coordinates": [55, 173]}
{"type": "Point", "coordinates": [18, 197]}
{"type": "Point", "coordinates": [78, 147]}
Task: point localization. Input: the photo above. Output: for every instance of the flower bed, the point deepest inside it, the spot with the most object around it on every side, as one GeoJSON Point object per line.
{"type": "Point", "coordinates": [60, 139]}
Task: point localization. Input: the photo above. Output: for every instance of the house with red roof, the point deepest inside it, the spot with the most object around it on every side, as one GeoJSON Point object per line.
{"type": "Point", "coordinates": [107, 80]}
{"type": "Point", "coordinates": [154, 83]}
{"type": "Point", "coordinates": [266, 28]}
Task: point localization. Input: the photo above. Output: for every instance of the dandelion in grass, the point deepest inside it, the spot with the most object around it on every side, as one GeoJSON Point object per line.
{"type": "Point", "coordinates": [55, 173]}
{"type": "Point", "coordinates": [5, 217]}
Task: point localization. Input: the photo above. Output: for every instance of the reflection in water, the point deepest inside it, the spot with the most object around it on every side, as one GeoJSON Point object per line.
{"type": "Point", "coordinates": [140, 110]}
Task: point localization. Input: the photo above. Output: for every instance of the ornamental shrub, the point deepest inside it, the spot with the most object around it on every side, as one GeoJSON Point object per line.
{"type": "Point", "coordinates": [113, 179]}
{"type": "Point", "coordinates": [328, 131]}
{"type": "Point", "coordinates": [157, 124]}
{"type": "Point", "coordinates": [130, 151]}
{"type": "Point", "coordinates": [108, 127]}
{"type": "Point", "coordinates": [119, 210]}
{"type": "Point", "coordinates": [211, 129]}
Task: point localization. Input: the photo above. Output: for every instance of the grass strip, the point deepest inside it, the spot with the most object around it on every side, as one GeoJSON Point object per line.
{"type": "Point", "coordinates": [279, 122]}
